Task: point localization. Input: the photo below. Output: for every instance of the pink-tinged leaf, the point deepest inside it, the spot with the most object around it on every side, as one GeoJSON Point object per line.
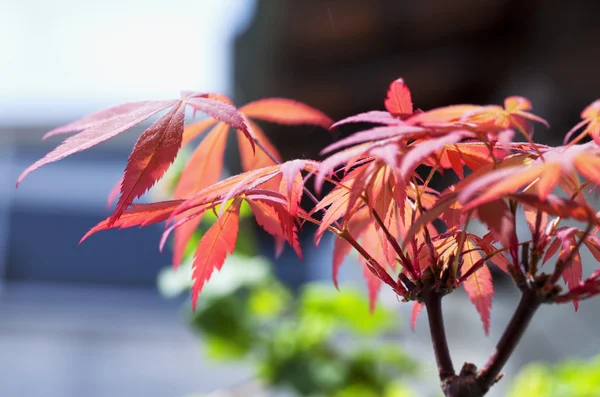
{"type": "Point", "coordinates": [179, 222]}
{"type": "Point", "coordinates": [293, 193]}
{"type": "Point", "coordinates": [232, 186]}
{"type": "Point", "coordinates": [138, 215]}
{"type": "Point", "coordinates": [531, 215]}
{"type": "Point", "coordinates": [252, 160]}
{"type": "Point", "coordinates": [383, 204]}
{"type": "Point", "coordinates": [267, 195]}
{"type": "Point", "coordinates": [205, 166]}
{"type": "Point", "coordinates": [588, 166]}
{"type": "Point", "coordinates": [474, 155]}
{"type": "Point", "coordinates": [152, 155]}
{"type": "Point", "coordinates": [591, 111]}
{"type": "Point", "coordinates": [499, 260]}
{"type": "Point", "coordinates": [574, 129]}
{"type": "Point", "coordinates": [210, 95]}
{"type": "Point", "coordinates": [445, 202]}
{"type": "Point", "coordinates": [505, 138]}
{"type": "Point", "coordinates": [497, 184]}
{"type": "Point", "coordinates": [268, 218]}
{"type": "Point", "coordinates": [249, 183]}
{"type": "Point", "coordinates": [292, 177]}
{"type": "Point", "coordinates": [108, 115]}
{"type": "Point", "coordinates": [222, 112]}
{"type": "Point", "coordinates": [290, 230]}
{"type": "Point", "coordinates": [548, 180]}
{"type": "Point", "coordinates": [373, 117]}
{"type": "Point", "coordinates": [455, 162]}
{"type": "Point", "coordinates": [417, 153]}
{"type": "Point", "coordinates": [375, 134]}
{"type": "Point", "coordinates": [573, 271]}
{"type": "Point", "coordinates": [414, 314]}
{"type": "Point", "coordinates": [192, 131]}
{"type": "Point", "coordinates": [285, 111]}
{"type": "Point", "coordinates": [558, 206]}
{"type": "Point", "coordinates": [573, 275]}
{"type": "Point", "coordinates": [339, 193]}
{"type": "Point", "coordinates": [552, 250]}
{"type": "Point", "coordinates": [338, 209]}
{"type": "Point", "coordinates": [99, 133]}
{"type": "Point", "coordinates": [388, 154]}
{"type": "Point", "coordinates": [515, 103]}
{"type": "Point", "coordinates": [593, 245]}
{"type": "Point", "coordinates": [442, 116]}
{"type": "Point", "coordinates": [500, 221]}
{"type": "Point", "coordinates": [219, 110]}
{"type": "Point", "coordinates": [217, 242]}
{"type": "Point", "coordinates": [532, 117]}
{"type": "Point", "coordinates": [479, 286]}
{"type": "Point", "coordinates": [328, 165]}
{"type": "Point", "coordinates": [341, 200]}
{"type": "Point", "coordinates": [114, 193]}
{"type": "Point", "coordinates": [399, 100]}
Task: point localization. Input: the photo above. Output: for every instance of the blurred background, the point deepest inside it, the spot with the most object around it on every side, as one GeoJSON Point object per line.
{"type": "Point", "coordinates": [89, 320]}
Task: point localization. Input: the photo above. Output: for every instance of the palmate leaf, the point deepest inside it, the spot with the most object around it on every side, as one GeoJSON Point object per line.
{"type": "Point", "coordinates": [206, 164]}
{"type": "Point", "coordinates": [154, 151]}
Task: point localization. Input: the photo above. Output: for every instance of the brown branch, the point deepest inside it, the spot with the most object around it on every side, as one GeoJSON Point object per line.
{"type": "Point", "coordinates": [432, 300]}
{"type": "Point", "coordinates": [490, 373]}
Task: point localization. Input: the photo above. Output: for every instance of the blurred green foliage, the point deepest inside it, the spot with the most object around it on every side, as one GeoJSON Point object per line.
{"type": "Point", "coordinates": [570, 378]}
{"type": "Point", "coordinates": [324, 342]}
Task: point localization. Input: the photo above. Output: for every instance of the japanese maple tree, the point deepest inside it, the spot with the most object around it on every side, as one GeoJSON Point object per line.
{"type": "Point", "coordinates": [409, 236]}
